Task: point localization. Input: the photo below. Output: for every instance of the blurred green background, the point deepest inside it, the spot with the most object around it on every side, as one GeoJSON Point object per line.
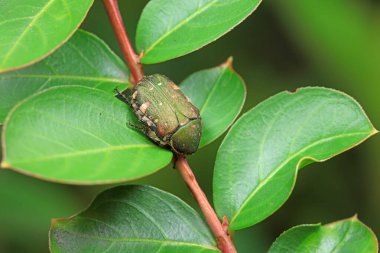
{"type": "Point", "coordinates": [282, 46]}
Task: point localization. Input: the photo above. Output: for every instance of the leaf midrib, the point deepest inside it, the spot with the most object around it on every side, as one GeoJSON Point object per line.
{"type": "Point", "coordinates": [141, 240]}
{"type": "Point", "coordinates": [264, 136]}
{"type": "Point", "coordinates": [191, 225]}
{"type": "Point", "coordinates": [85, 152]}
{"type": "Point", "coordinates": [179, 25]}
{"type": "Point", "coordinates": [27, 29]}
{"type": "Point", "coordinates": [273, 173]}
{"type": "Point", "coordinates": [85, 78]}
{"type": "Point", "coordinates": [212, 91]}
{"type": "Point", "coordinates": [142, 212]}
{"type": "Point", "coordinates": [342, 239]}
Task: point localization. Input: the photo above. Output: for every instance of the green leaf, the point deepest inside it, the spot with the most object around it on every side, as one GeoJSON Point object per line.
{"type": "Point", "coordinates": [32, 29]}
{"type": "Point", "coordinates": [219, 93]}
{"type": "Point", "coordinates": [171, 28]}
{"type": "Point", "coordinates": [78, 135]}
{"type": "Point", "coordinates": [133, 219]}
{"type": "Point", "coordinates": [83, 60]}
{"type": "Point", "coordinates": [344, 236]}
{"type": "Point", "coordinates": [257, 163]}
{"type": "Point", "coordinates": [27, 229]}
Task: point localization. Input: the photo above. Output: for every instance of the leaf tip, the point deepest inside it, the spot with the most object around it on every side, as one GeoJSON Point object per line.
{"type": "Point", "coordinates": [294, 91]}
{"type": "Point", "coordinates": [228, 63]}
{"type": "Point", "coordinates": [374, 131]}
{"type": "Point", "coordinates": [354, 217]}
{"type": "Point", "coordinates": [54, 221]}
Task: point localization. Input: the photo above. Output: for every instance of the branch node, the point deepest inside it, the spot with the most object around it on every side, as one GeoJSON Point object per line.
{"type": "Point", "coordinates": [225, 224]}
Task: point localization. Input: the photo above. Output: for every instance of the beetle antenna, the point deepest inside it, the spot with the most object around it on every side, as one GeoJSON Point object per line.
{"type": "Point", "coordinates": [121, 96]}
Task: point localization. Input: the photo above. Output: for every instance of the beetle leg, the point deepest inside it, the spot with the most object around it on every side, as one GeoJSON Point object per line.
{"type": "Point", "coordinates": [121, 96]}
{"type": "Point", "coordinates": [144, 106]}
{"type": "Point", "coordinates": [152, 135]}
{"type": "Point", "coordinates": [141, 128]}
{"type": "Point", "coordinates": [118, 92]}
{"type": "Point", "coordinates": [146, 130]}
{"type": "Point", "coordinates": [147, 121]}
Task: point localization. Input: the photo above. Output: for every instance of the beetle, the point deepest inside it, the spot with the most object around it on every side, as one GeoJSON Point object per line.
{"type": "Point", "coordinates": [169, 118]}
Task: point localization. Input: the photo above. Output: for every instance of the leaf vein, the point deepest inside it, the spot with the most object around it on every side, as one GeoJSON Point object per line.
{"type": "Point", "coordinates": [181, 23]}
{"type": "Point", "coordinates": [143, 240]}
{"type": "Point", "coordinates": [27, 29]}
{"type": "Point", "coordinates": [273, 173]}
{"type": "Point", "coordinates": [87, 152]}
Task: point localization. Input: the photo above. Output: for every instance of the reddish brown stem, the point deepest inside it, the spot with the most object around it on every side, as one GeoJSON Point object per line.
{"type": "Point", "coordinates": [130, 56]}
{"type": "Point", "coordinates": [225, 243]}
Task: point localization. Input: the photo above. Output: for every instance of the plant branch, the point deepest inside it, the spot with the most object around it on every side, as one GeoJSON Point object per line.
{"type": "Point", "coordinates": [130, 56]}
{"type": "Point", "coordinates": [219, 230]}
{"type": "Point", "coordinates": [225, 243]}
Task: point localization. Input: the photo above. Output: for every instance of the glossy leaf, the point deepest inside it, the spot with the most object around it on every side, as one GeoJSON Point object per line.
{"type": "Point", "coordinates": [171, 28]}
{"type": "Point", "coordinates": [32, 29]}
{"type": "Point", "coordinates": [219, 93]}
{"type": "Point", "coordinates": [79, 135]}
{"type": "Point", "coordinates": [347, 236]}
{"type": "Point", "coordinates": [133, 219]}
{"type": "Point", "coordinates": [83, 60]}
{"type": "Point", "coordinates": [257, 163]}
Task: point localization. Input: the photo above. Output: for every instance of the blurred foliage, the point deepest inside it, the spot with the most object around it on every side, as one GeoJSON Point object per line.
{"type": "Point", "coordinates": [282, 46]}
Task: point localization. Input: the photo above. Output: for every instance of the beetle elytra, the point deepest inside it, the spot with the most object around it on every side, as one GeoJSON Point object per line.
{"type": "Point", "coordinates": [168, 116]}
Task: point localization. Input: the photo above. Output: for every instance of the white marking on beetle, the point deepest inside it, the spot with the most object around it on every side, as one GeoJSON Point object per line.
{"type": "Point", "coordinates": [144, 106]}
{"type": "Point", "coordinates": [134, 95]}
{"type": "Point", "coordinates": [145, 119]}
{"type": "Point", "coordinates": [175, 87]}
{"type": "Point", "coordinates": [139, 113]}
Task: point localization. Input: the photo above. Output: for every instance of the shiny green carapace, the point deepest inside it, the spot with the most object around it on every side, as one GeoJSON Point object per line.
{"type": "Point", "coordinates": [169, 118]}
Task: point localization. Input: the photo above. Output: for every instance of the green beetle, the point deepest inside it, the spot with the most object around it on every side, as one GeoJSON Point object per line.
{"type": "Point", "coordinates": [169, 118]}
